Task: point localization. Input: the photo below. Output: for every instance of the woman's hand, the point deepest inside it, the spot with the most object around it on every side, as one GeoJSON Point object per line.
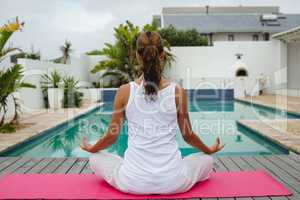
{"type": "Point", "coordinates": [217, 146]}
{"type": "Point", "coordinates": [86, 146]}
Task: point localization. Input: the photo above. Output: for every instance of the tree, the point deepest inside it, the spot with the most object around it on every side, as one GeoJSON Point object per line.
{"type": "Point", "coordinates": [121, 59]}
{"type": "Point", "coordinates": [66, 51]}
{"type": "Point", "coordinates": [10, 79]}
{"type": "Point", "coordinates": [6, 32]}
{"type": "Point", "coordinates": [10, 82]}
{"type": "Point", "coordinates": [177, 37]}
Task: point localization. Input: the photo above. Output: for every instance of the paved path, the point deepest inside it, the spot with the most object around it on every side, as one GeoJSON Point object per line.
{"type": "Point", "coordinates": [285, 168]}
{"type": "Point", "coordinates": [35, 124]}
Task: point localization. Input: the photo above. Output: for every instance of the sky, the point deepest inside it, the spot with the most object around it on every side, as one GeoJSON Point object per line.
{"type": "Point", "coordinates": [88, 24]}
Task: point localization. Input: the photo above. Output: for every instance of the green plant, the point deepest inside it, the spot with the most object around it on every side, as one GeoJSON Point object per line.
{"type": "Point", "coordinates": [121, 59]}
{"type": "Point", "coordinates": [72, 97]}
{"type": "Point", "coordinates": [6, 32]}
{"type": "Point", "coordinates": [7, 128]}
{"type": "Point", "coordinates": [177, 37]}
{"type": "Point", "coordinates": [66, 51]}
{"type": "Point", "coordinates": [10, 79]}
{"type": "Point", "coordinates": [52, 81]}
{"type": "Point", "coordinates": [33, 55]}
{"type": "Point", "coordinates": [10, 82]}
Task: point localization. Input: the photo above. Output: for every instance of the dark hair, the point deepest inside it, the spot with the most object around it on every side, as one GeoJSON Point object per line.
{"type": "Point", "coordinates": [149, 47]}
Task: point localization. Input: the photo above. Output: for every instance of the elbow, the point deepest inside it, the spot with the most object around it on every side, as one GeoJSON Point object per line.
{"type": "Point", "coordinates": [112, 137]}
{"type": "Point", "coordinates": [188, 137]}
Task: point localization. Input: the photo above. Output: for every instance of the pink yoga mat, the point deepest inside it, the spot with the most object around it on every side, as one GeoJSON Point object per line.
{"type": "Point", "coordinates": [76, 186]}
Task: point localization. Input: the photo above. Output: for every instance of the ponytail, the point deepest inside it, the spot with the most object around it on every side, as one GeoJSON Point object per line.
{"type": "Point", "coordinates": [150, 48]}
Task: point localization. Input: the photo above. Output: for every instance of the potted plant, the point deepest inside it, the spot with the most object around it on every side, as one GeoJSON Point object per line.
{"type": "Point", "coordinates": [71, 96]}
{"type": "Point", "coordinates": [53, 93]}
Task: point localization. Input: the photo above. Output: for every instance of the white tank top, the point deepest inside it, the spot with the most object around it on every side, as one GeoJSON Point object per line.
{"type": "Point", "coordinates": [152, 162]}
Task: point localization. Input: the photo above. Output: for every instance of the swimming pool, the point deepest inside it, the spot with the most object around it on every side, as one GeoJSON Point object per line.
{"type": "Point", "coordinates": [209, 119]}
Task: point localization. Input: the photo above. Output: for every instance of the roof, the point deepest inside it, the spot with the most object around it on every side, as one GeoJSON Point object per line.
{"type": "Point", "coordinates": [291, 35]}
{"type": "Point", "coordinates": [220, 9]}
{"type": "Point", "coordinates": [212, 23]}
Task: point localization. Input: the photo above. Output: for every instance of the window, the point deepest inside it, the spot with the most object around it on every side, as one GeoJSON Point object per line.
{"type": "Point", "coordinates": [230, 37]}
{"type": "Point", "coordinates": [255, 37]}
{"type": "Point", "coordinates": [266, 36]}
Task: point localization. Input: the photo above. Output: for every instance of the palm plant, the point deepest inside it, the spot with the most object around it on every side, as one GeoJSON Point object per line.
{"type": "Point", "coordinates": [33, 55]}
{"type": "Point", "coordinates": [50, 81]}
{"type": "Point", "coordinates": [6, 32]}
{"type": "Point", "coordinates": [72, 98]}
{"type": "Point", "coordinates": [10, 79]}
{"type": "Point", "coordinates": [66, 51]}
{"type": "Point", "coordinates": [121, 59]}
{"type": "Point", "coordinates": [10, 82]}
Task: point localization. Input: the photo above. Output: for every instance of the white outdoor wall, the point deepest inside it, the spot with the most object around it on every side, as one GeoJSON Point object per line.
{"type": "Point", "coordinates": [216, 63]}
{"type": "Point", "coordinates": [293, 70]}
{"type": "Point", "coordinates": [294, 66]}
{"type": "Point", "coordinates": [217, 37]}
{"type": "Point", "coordinates": [79, 68]}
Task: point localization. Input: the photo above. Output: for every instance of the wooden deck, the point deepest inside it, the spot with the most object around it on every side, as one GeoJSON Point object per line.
{"type": "Point", "coordinates": [285, 168]}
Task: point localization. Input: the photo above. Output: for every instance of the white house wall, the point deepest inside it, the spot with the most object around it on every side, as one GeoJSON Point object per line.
{"type": "Point", "coordinates": [237, 36]}
{"type": "Point", "coordinates": [293, 69]}
{"type": "Point", "coordinates": [79, 68]}
{"type": "Point", "coordinates": [214, 64]}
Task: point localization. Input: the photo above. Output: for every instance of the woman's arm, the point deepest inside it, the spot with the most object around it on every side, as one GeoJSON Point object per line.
{"type": "Point", "coordinates": [185, 125]}
{"type": "Point", "coordinates": [115, 126]}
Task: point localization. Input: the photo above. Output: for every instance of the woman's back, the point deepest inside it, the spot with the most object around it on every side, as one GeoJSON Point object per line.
{"type": "Point", "coordinates": [152, 163]}
{"type": "Point", "coordinates": [152, 127]}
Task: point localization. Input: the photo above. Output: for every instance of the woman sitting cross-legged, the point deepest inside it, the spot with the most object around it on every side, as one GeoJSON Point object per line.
{"type": "Point", "coordinates": [154, 108]}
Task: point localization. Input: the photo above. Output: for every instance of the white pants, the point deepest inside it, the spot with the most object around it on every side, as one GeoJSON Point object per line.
{"type": "Point", "coordinates": [106, 166]}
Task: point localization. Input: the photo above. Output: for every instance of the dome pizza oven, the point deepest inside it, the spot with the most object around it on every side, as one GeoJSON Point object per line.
{"type": "Point", "coordinates": [240, 69]}
{"type": "Point", "coordinates": [241, 72]}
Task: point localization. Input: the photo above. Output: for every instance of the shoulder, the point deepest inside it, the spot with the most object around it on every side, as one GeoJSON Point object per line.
{"type": "Point", "coordinates": [124, 89]}
{"type": "Point", "coordinates": [122, 94]}
{"type": "Point", "coordinates": [179, 90]}
{"type": "Point", "coordinates": [180, 97]}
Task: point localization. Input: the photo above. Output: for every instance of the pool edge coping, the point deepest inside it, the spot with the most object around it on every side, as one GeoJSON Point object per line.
{"type": "Point", "coordinates": [281, 143]}
{"type": "Point", "coordinates": [259, 104]}
{"type": "Point", "coordinates": [49, 129]}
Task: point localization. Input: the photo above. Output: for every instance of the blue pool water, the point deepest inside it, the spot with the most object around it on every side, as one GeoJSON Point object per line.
{"type": "Point", "coordinates": [210, 119]}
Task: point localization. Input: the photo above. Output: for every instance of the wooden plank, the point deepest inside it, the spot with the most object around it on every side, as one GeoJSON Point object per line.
{"type": "Point", "coordinates": [245, 166]}
{"type": "Point", "coordinates": [3, 159]}
{"type": "Point", "coordinates": [295, 157]}
{"type": "Point", "coordinates": [78, 166]}
{"type": "Point", "coordinates": [40, 166]}
{"type": "Point", "coordinates": [6, 163]}
{"type": "Point", "coordinates": [230, 165]}
{"type": "Point", "coordinates": [285, 177]}
{"type": "Point", "coordinates": [87, 169]}
{"type": "Point", "coordinates": [284, 166]}
{"type": "Point", "coordinates": [220, 167]}
{"type": "Point", "coordinates": [265, 198]}
{"type": "Point", "coordinates": [241, 164]}
{"type": "Point", "coordinates": [65, 166]}
{"type": "Point", "coordinates": [15, 165]}
{"type": "Point", "coordinates": [288, 160]}
{"type": "Point", "coordinates": [52, 166]}
{"type": "Point", "coordinates": [27, 166]}
{"type": "Point", "coordinates": [257, 165]}
{"type": "Point", "coordinates": [290, 182]}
